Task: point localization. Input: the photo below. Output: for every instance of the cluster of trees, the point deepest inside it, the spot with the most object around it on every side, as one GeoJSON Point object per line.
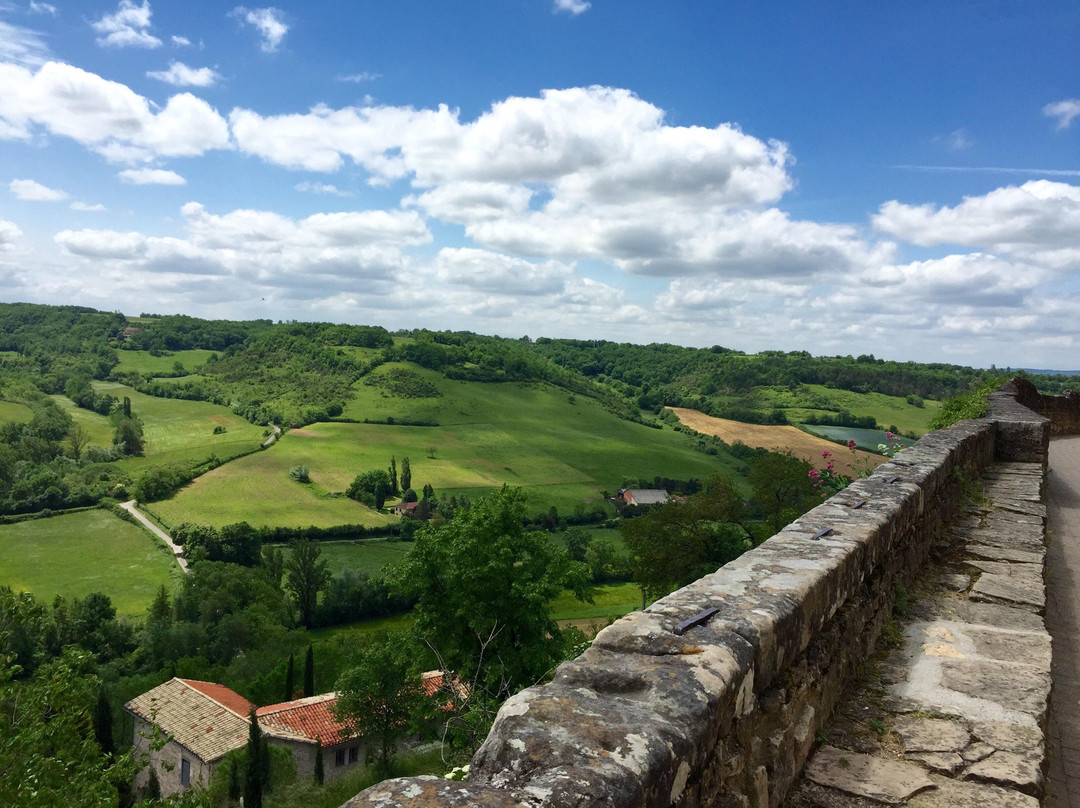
{"type": "Point", "coordinates": [43, 462]}
{"type": "Point", "coordinates": [374, 487]}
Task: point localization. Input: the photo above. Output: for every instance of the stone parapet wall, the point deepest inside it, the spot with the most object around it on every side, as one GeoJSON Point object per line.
{"type": "Point", "coordinates": [726, 713]}
{"type": "Point", "coordinates": [1063, 411]}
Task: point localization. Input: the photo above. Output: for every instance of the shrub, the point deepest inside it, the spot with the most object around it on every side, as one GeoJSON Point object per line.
{"type": "Point", "coordinates": [300, 474]}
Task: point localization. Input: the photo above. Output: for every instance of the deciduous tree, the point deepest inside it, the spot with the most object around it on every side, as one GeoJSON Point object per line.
{"type": "Point", "coordinates": [482, 584]}
{"type": "Point", "coordinates": [305, 576]}
{"type": "Point", "coordinates": [381, 696]}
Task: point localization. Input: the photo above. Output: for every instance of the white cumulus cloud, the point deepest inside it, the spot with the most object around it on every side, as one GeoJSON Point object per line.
{"type": "Point", "coordinates": [574, 7]}
{"type": "Point", "coordinates": [31, 191]}
{"type": "Point", "coordinates": [42, 8]}
{"type": "Point", "coordinates": [85, 207]}
{"type": "Point", "coordinates": [1037, 217]}
{"type": "Point", "coordinates": [102, 243]}
{"type": "Point", "coordinates": [127, 27]}
{"type": "Point", "coordinates": [151, 176]}
{"type": "Point", "coordinates": [9, 234]}
{"type": "Point", "coordinates": [320, 188]}
{"type": "Point", "coordinates": [1064, 111]}
{"type": "Point", "coordinates": [105, 116]}
{"type": "Point", "coordinates": [180, 41]}
{"type": "Point", "coordinates": [180, 75]}
{"type": "Point", "coordinates": [267, 21]}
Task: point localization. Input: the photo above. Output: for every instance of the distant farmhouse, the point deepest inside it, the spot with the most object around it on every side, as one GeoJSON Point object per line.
{"type": "Point", "coordinates": [642, 496]}
{"type": "Point", "coordinates": [204, 721]}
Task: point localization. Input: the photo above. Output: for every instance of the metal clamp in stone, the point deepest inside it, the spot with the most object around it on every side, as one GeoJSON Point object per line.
{"type": "Point", "coordinates": [699, 619]}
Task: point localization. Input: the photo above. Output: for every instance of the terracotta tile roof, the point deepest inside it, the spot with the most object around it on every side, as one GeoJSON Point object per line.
{"type": "Point", "coordinates": [200, 722]}
{"type": "Point", "coordinates": [222, 695]}
{"type": "Point", "coordinates": [310, 718]}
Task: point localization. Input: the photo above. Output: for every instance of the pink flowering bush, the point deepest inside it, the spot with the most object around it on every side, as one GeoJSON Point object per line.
{"type": "Point", "coordinates": [830, 481]}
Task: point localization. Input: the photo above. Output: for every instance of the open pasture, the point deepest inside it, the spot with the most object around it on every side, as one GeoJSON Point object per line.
{"type": "Point", "coordinates": [258, 489]}
{"type": "Point", "coordinates": [13, 411]}
{"type": "Point", "coordinates": [148, 365]}
{"type": "Point", "coordinates": [886, 410]}
{"type": "Point", "coordinates": [773, 438]}
{"type": "Point", "coordinates": [563, 450]}
{"type": "Point", "coordinates": [73, 555]}
{"type": "Point", "coordinates": [179, 430]}
{"type": "Point", "coordinates": [98, 427]}
{"type": "Point", "coordinates": [369, 555]}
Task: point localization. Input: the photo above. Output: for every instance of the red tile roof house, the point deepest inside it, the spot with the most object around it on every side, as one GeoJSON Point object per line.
{"type": "Point", "coordinates": [204, 721]}
{"type": "Point", "coordinates": [643, 496]}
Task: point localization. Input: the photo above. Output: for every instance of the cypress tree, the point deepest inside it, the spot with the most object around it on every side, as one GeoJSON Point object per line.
{"type": "Point", "coordinates": [253, 776]}
{"type": "Point", "coordinates": [320, 773]}
{"type": "Point", "coordinates": [153, 787]}
{"type": "Point", "coordinates": [290, 684]}
{"type": "Point", "coordinates": [406, 474]}
{"type": "Point", "coordinates": [235, 789]}
{"type": "Point", "coordinates": [309, 672]}
{"type": "Point", "coordinates": [103, 728]}
{"type": "Point", "coordinates": [393, 476]}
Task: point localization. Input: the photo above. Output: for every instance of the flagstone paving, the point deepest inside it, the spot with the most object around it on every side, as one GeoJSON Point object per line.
{"type": "Point", "coordinates": [953, 710]}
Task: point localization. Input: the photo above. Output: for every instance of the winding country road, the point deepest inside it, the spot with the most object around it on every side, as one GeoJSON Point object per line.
{"type": "Point", "coordinates": [177, 551]}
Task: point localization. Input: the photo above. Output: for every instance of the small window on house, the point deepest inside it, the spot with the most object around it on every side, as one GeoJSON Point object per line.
{"type": "Point", "coordinates": [185, 772]}
{"type": "Point", "coordinates": [354, 753]}
{"type": "Point", "coordinates": [339, 757]}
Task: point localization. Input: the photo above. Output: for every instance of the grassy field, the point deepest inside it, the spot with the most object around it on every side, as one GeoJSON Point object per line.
{"type": "Point", "coordinates": [92, 551]}
{"type": "Point", "coordinates": [142, 362]}
{"type": "Point", "coordinates": [775, 438]}
{"type": "Point", "coordinates": [178, 430]}
{"type": "Point", "coordinates": [11, 411]}
{"type": "Point", "coordinates": [98, 427]}
{"type": "Point", "coordinates": [886, 410]}
{"type": "Point", "coordinates": [609, 600]}
{"type": "Point", "coordinates": [369, 556]}
{"type": "Point", "coordinates": [563, 450]}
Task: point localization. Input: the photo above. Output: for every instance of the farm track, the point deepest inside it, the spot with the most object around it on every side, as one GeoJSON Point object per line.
{"type": "Point", "coordinates": [177, 551]}
{"type": "Point", "coordinates": [774, 438]}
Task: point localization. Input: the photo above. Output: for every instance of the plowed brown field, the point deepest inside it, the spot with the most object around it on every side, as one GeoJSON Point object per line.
{"type": "Point", "coordinates": [774, 438]}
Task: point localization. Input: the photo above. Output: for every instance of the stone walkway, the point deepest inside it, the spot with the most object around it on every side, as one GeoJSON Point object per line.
{"type": "Point", "coordinates": [952, 711]}
{"type": "Point", "coordinates": [1063, 621]}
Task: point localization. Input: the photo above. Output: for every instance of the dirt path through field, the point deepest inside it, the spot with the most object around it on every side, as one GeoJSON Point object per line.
{"type": "Point", "coordinates": [774, 438]}
{"type": "Point", "coordinates": [178, 552]}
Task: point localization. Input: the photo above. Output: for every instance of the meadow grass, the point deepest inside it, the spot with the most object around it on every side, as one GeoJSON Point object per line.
{"type": "Point", "coordinates": [98, 427]}
{"type": "Point", "coordinates": [563, 450]}
{"type": "Point", "coordinates": [369, 556]}
{"type": "Point", "coordinates": [175, 430]}
{"type": "Point", "coordinates": [142, 362]}
{"type": "Point", "coordinates": [609, 600]}
{"type": "Point", "coordinates": [11, 411]}
{"type": "Point", "coordinates": [886, 410]}
{"type": "Point", "coordinates": [75, 554]}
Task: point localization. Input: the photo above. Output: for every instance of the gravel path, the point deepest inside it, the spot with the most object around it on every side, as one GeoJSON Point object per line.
{"type": "Point", "coordinates": [177, 551]}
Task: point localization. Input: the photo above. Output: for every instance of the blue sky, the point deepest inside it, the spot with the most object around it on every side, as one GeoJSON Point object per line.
{"type": "Point", "coordinates": [849, 177]}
